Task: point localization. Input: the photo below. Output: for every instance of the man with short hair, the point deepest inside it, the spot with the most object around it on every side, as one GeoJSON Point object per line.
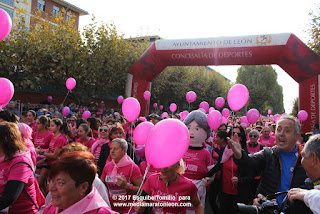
{"type": "Point", "coordinates": [281, 164]}
{"type": "Point", "coordinates": [310, 193]}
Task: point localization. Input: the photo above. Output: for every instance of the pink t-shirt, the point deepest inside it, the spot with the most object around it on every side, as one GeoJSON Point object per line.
{"type": "Point", "coordinates": [253, 150]}
{"type": "Point", "coordinates": [130, 172]}
{"type": "Point", "coordinates": [143, 166]}
{"type": "Point", "coordinates": [197, 162]}
{"type": "Point", "coordinates": [59, 142]}
{"type": "Point", "coordinates": [269, 142]}
{"type": "Point", "coordinates": [33, 153]}
{"type": "Point", "coordinates": [13, 170]}
{"type": "Point", "coordinates": [32, 125]}
{"type": "Point", "coordinates": [42, 141]}
{"type": "Point", "coordinates": [154, 186]}
{"type": "Point", "coordinates": [96, 148]}
{"type": "Point", "coordinates": [88, 144]}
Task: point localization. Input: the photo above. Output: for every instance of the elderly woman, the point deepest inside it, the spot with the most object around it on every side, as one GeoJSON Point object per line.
{"type": "Point", "coordinates": [171, 183]}
{"type": "Point", "coordinates": [265, 139]}
{"type": "Point", "coordinates": [115, 131]}
{"type": "Point", "coordinates": [122, 176]}
{"type": "Point", "coordinates": [16, 170]}
{"type": "Point", "coordinates": [71, 186]}
{"type": "Point", "coordinates": [253, 144]}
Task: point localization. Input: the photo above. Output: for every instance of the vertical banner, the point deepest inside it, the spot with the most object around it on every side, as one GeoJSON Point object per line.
{"type": "Point", "coordinates": [309, 101]}
{"type": "Point", "coordinates": [139, 86]}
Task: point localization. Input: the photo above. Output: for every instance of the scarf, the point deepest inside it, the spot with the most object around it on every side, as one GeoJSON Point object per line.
{"type": "Point", "coordinates": [227, 153]}
{"type": "Point", "coordinates": [124, 161]}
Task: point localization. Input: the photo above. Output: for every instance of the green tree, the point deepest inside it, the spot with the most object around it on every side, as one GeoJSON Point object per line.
{"type": "Point", "coordinates": [264, 91]}
{"type": "Point", "coordinates": [314, 31]}
{"type": "Point", "coordinates": [295, 107]}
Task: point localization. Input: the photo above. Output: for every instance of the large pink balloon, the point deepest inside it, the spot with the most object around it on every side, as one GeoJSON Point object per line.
{"type": "Point", "coordinates": [238, 96]}
{"type": "Point", "coordinates": [146, 95]}
{"type": "Point", "coordinates": [173, 107]}
{"type": "Point", "coordinates": [225, 113]}
{"type": "Point", "coordinates": [191, 96]}
{"type": "Point", "coordinates": [214, 119]}
{"type": "Point", "coordinates": [161, 107]}
{"type": "Point", "coordinates": [120, 99]}
{"type": "Point", "coordinates": [204, 105]}
{"type": "Point", "coordinates": [167, 143]}
{"type": "Point", "coordinates": [70, 83]}
{"type": "Point", "coordinates": [65, 111]}
{"type": "Point", "coordinates": [131, 109]}
{"type": "Point", "coordinates": [219, 102]}
{"type": "Point", "coordinates": [49, 99]}
{"type": "Point", "coordinates": [253, 115]}
{"type": "Point", "coordinates": [5, 24]}
{"type": "Point", "coordinates": [6, 90]}
{"type": "Point", "coordinates": [164, 115]}
{"type": "Point", "coordinates": [141, 132]}
{"type": "Point", "coordinates": [86, 115]}
{"type": "Point", "coordinates": [155, 105]}
{"type": "Point", "coordinates": [302, 115]}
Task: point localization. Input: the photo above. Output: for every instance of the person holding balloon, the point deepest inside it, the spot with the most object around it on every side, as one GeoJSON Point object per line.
{"type": "Point", "coordinates": [122, 176]}
{"type": "Point", "coordinates": [198, 159]}
{"type": "Point", "coordinates": [85, 136]}
{"type": "Point", "coordinates": [171, 183]}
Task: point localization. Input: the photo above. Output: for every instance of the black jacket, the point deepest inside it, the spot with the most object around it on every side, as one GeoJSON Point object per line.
{"type": "Point", "coordinates": [268, 160]}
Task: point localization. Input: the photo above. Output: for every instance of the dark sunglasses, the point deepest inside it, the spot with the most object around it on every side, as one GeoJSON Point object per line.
{"type": "Point", "coordinates": [105, 130]}
{"type": "Point", "coordinates": [253, 136]}
{"type": "Point", "coordinates": [239, 134]}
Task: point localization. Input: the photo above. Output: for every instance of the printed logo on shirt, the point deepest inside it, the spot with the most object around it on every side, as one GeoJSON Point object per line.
{"type": "Point", "coordinates": [192, 167]}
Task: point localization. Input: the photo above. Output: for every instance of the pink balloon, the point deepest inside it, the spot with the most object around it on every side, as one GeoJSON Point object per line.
{"type": "Point", "coordinates": [225, 112]}
{"type": "Point", "coordinates": [204, 105]}
{"type": "Point", "coordinates": [141, 132]}
{"type": "Point", "coordinates": [219, 102]}
{"type": "Point", "coordinates": [211, 109]}
{"type": "Point", "coordinates": [65, 111]}
{"type": "Point", "coordinates": [173, 107]}
{"type": "Point", "coordinates": [120, 99]}
{"type": "Point", "coordinates": [276, 117]}
{"type": "Point", "coordinates": [214, 119]}
{"type": "Point", "coordinates": [3, 105]}
{"type": "Point", "coordinates": [49, 99]}
{"type": "Point", "coordinates": [140, 150]}
{"type": "Point", "coordinates": [302, 115]}
{"type": "Point", "coordinates": [201, 109]}
{"type": "Point", "coordinates": [146, 95]}
{"type": "Point", "coordinates": [224, 120]}
{"type": "Point", "coordinates": [244, 120]}
{"type": "Point", "coordinates": [5, 24]}
{"type": "Point", "coordinates": [86, 115]}
{"type": "Point", "coordinates": [191, 96]}
{"type": "Point", "coordinates": [155, 105]}
{"type": "Point", "coordinates": [131, 109]}
{"type": "Point", "coordinates": [167, 143]}
{"type": "Point", "coordinates": [161, 107]}
{"type": "Point", "coordinates": [238, 96]}
{"type": "Point", "coordinates": [267, 66]}
{"type": "Point", "coordinates": [70, 83]}
{"type": "Point", "coordinates": [183, 115]}
{"type": "Point", "coordinates": [7, 90]}
{"type": "Point", "coordinates": [143, 119]}
{"type": "Point", "coordinates": [269, 111]}
{"type": "Point", "coordinates": [253, 115]}
{"type": "Point", "coordinates": [164, 115]}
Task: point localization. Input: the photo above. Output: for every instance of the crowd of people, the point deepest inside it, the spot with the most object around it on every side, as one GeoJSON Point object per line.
{"type": "Point", "coordinates": [55, 164]}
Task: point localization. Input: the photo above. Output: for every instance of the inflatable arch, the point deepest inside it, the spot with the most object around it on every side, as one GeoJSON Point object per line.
{"type": "Point", "coordinates": [285, 50]}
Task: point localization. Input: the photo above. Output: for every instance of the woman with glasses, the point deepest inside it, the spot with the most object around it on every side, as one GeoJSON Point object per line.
{"type": "Point", "coordinates": [235, 181]}
{"type": "Point", "coordinates": [253, 144]}
{"type": "Point", "coordinates": [103, 138]}
{"type": "Point", "coordinates": [265, 139]}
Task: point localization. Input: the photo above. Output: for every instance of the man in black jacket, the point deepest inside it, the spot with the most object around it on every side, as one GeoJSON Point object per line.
{"type": "Point", "coordinates": [281, 165]}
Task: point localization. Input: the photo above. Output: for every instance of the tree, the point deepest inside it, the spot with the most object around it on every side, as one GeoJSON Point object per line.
{"type": "Point", "coordinates": [314, 42]}
{"type": "Point", "coordinates": [264, 91]}
{"type": "Point", "coordinates": [295, 107]}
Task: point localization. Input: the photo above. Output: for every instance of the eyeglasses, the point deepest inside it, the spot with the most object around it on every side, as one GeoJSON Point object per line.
{"type": "Point", "coordinates": [254, 136]}
{"type": "Point", "coordinates": [105, 130]}
{"type": "Point", "coordinates": [239, 134]}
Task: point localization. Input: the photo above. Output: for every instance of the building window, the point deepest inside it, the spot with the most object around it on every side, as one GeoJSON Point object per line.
{"type": "Point", "coordinates": [56, 10]}
{"type": "Point", "coordinates": [41, 5]}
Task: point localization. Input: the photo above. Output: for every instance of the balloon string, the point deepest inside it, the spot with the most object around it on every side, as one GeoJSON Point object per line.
{"type": "Point", "coordinates": [65, 98]}
{"type": "Point", "coordinates": [138, 193]}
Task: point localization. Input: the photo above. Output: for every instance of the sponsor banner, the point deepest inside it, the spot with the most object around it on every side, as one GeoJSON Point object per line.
{"type": "Point", "coordinates": [224, 42]}
{"type": "Point", "coordinates": [309, 101]}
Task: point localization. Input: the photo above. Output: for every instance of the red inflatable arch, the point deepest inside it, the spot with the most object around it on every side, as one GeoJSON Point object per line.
{"type": "Point", "coordinates": [285, 50]}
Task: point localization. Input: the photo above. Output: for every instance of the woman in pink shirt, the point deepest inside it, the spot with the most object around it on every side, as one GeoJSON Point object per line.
{"type": "Point", "coordinates": [103, 138]}
{"type": "Point", "coordinates": [71, 186]}
{"type": "Point", "coordinates": [17, 186]}
{"type": "Point", "coordinates": [30, 119]}
{"type": "Point", "coordinates": [58, 141]}
{"type": "Point", "coordinates": [85, 135]}
{"type": "Point", "coordinates": [265, 139]}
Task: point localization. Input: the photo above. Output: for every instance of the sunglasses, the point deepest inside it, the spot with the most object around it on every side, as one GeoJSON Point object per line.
{"type": "Point", "coordinates": [239, 134]}
{"type": "Point", "coordinates": [105, 130]}
{"type": "Point", "coordinates": [254, 136]}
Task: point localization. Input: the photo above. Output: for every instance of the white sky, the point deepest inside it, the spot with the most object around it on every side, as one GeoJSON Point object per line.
{"type": "Point", "coordinates": [179, 19]}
